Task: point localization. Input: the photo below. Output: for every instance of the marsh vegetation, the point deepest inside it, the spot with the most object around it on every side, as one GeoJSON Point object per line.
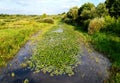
{"type": "Point", "coordinates": [58, 48]}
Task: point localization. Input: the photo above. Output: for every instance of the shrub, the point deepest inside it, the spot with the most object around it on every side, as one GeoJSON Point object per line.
{"type": "Point", "coordinates": [2, 23]}
{"type": "Point", "coordinates": [44, 15]}
{"type": "Point", "coordinates": [73, 13]}
{"type": "Point", "coordinates": [86, 24]}
{"type": "Point", "coordinates": [115, 77]}
{"type": "Point", "coordinates": [39, 20]}
{"type": "Point", "coordinates": [48, 20]}
{"type": "Point", "coordinates": [117, 29]}
{"type": "Point", "coordinates": [68, 20]}
{"type": "Point", "coordinates": [37, 17]}
{"type": "Point", "coordinates": [109, 22]}
{"type": "Point", "coordinates": [113, 7]}
{"type": "Point", "coordinates": [112, 25]}
{"type": "Point", "coordinates": [101, 10]}
{"type": "Point", "coordinates": [71, 16]}
{"type": "Point", "coordinates": [95, 25]}
{"type": "Point", "coordinates": [87, 11]}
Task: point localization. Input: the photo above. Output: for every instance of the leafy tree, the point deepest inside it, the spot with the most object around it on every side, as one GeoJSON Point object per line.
{"type": "Point", "coordinates": [73, 13]}
{"type": "Point", "coordinates": [101, 9]}
{"type": "Point", "coordinates": [71, 16]}
{"type": "Point", "coordinates": [113, 7]}
{"type": "Point", "coordinates": [44, 15]}
{"type": "Point", "coordinates": [87, 11]}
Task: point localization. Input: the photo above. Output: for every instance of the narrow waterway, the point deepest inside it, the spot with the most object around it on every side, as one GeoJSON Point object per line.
{"type": "Point", "coordinates": [93, 68]}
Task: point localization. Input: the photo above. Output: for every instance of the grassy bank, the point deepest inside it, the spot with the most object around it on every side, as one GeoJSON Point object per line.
{"type": "Point", "coordinates": [57, 52]}
{"type": "Point", "coordinates": [14, 32]}
{"type": "Point", "coordinates": [109, 45]}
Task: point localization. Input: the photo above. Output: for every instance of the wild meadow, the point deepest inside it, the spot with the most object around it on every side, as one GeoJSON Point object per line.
{"type": "Point", "coordinates": [15, 31]}
{"type": "Point", "coordinates": [58, 48]}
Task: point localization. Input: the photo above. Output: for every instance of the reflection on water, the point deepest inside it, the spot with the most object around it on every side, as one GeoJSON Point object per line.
{"type": "Point", "coordinates": [93, 69]}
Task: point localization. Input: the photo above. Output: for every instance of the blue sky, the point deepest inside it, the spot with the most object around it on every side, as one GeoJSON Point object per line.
{"type": "Point", "coordinates": [40, 6]}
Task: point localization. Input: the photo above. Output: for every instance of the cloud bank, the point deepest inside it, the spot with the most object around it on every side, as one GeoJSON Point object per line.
{"type": "Point", "coordinates": [40, 6]}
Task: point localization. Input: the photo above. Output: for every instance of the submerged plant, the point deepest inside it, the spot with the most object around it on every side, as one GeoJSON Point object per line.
{"type": "Point", "coordinates": [57, 53]}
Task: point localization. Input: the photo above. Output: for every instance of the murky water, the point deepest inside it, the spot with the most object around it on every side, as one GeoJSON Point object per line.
{"type": "Point", "coordinates": [93, 69]}
{"type": "Point", "coordinates": [60, 30]}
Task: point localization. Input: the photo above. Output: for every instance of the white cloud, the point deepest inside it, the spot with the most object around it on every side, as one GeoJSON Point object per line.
{"type": "Point", "coordinates": [41, 6]}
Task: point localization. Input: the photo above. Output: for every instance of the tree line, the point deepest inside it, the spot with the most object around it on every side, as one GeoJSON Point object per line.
{"type": "Point", "coordinates": [96, 18]}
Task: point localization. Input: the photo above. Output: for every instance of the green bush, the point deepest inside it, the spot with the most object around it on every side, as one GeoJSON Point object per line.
{"type": "Point", "coordinates": [71, 16]}
{"type": "Point", "coordinates": [117, 29]}
{"type": "Point", "coordinates": [73, 13]}
{"type": "Point", "coordinates": [113, 7]}
{"type": "Point", "coordinates": [68, 20]}
{"type": "Point", "coordinates": [109, 23]}
{"type": "Point", "coordinates": [112, 25]}
{"type": "Point", "coordinates": [87, 11]}
{"type": "Point", "coordinates": [101, 10]}
{"type": "Point", "coordinates": [39, 20]}
{"type": "Point", "coordinates": [115, 78]}
{"type": "Point", "coordinates": [2, 23]}
{"type": "Point", "coordinates": [95, 25]}
{"type": "Point", "coordinates": [44, 15]}
{"type": "Point", "coordinates": [48, 20]}
{"type": "Point", "coordinates": [45, 20]}
{"type": "Point", "coordinates": [86, 24]}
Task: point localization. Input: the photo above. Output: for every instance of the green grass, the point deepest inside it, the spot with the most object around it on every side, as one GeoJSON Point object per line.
{"type": "Point", "coordinates": [57, 52]}
{"type": "Point", "coordinates": [14, 32]}
{"type": "Point", "coordinates": [109, 44]}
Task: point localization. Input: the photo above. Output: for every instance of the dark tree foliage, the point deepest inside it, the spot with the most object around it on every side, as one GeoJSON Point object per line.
{"type": "Point", "coordinates": [71, 16]}
{"type": "Point", "coordinates": [83, 15]}
{"type": "Point", "coordinates": [73, 13]}
{"type": "Point", "coordinates": [86, 6]}
{"type": "Point", "coordinates": [87, 11]}
{"type": "Point", "coordinates": [113, 7]}
{"type": "Point", "coordinates": [101, 10]}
